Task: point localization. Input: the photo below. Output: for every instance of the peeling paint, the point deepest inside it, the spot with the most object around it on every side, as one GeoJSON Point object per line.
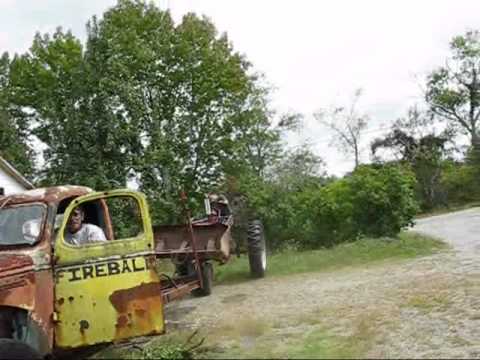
{"type": "Point", "coordinates": [53, 194]}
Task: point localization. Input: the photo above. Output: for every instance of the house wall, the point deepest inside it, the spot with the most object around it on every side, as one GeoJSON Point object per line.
{"type": "Point", "coordinates": [10, 185]}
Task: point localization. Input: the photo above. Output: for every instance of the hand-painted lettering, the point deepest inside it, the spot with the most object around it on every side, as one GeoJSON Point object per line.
{"type": "Point", "coordinates": [100, 270]}
{"type": "Point", "coordinates": [75, 275]}
{"type": "Point", "coordinates": [135, 268]}
{"type": "Point", "coordinates": [113, 268]}
{"type": "Point", "coordinates": [88, 272]}
{"type": "Point", "coordinates": [103, 269]}
{"type": "Point", "coordinates": [125, 267]}
{"type": "Point", "coordinates": [59, 275]}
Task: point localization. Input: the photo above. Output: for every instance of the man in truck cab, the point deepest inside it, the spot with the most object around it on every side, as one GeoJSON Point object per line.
{"type": "Point", "coordinates": [79, 233]}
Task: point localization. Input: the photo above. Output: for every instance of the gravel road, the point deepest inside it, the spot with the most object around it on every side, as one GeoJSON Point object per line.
{"type": "Point", "coordinates": [425, 308]}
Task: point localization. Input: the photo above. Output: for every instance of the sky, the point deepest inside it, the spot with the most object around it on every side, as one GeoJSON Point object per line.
{"type": "Point", "coordinates": [315, 53]}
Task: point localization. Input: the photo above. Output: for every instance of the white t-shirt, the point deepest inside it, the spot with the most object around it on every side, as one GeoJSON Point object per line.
{"type": "Point", "coordinates": [88, 233]}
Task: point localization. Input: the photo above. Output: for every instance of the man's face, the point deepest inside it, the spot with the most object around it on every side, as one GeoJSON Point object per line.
{"type": "Point", "coordinates": [75, 222]}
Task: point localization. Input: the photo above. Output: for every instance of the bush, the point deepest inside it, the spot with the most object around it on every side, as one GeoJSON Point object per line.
{"type": "Point", "coordinates": [460, 182]}
{"type": "Point", "coordinates": [371, 202]}
{"type": "Point", "coordinates": [383, 200]}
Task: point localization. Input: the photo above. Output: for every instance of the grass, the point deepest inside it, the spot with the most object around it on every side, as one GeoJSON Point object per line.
{"type": "Point", "coordinates": [315, 344]}
{"type": "Point", "coordinates": [320, 343]}
{"type": "Point", "coordinates": [428, 302]}
{"type": "Point", "coordinates": [303, 338]}
{"type": "Point", "coordinates": [365, 251]}
{"type": "Point", "coordinates": [314, 335]}
{"type": "Point", "coordinates": [169, 346]}
{"type": "Point", "coordinates": [431, 293]}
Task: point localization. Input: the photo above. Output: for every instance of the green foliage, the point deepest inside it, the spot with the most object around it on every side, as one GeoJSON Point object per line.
{"type": "Point", "coordinates": [453, 90]}
{"type": "Point", "coordinates": [169, 351]}
{"type": "Point", "coordinates": [306, 211]}
{"type": "Point", "coordinates": [414, 141]}
{"type": "Point", "coordinates": [383, 200]}
{"type": "Point", "coordinates": [460, 181]}
{"type": "Point", "coordinates": [361, 252]}
{"type": "Point", "coordinates": [125, 217]}
{"type": "Point", "coordinates": [164, 347]}
{"type": "Point", "coordinates": [171, 105]}
{"type": "Point", "coordinates": [14, 146]}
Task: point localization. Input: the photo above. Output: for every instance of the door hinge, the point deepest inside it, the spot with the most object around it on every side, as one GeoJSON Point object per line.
{"type": "Point", "coordinates": [55, 317]}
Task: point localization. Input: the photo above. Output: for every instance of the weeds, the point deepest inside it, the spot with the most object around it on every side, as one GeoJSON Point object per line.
{"type": "Point", "coordinates": [361, 252]}
{"type": "Point", "coordinates": [164, 347]}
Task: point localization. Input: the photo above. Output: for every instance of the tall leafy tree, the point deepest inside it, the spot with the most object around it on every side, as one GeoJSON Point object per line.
{"type": "Point", "coordinates": [255, 142]}
{"type": "Point", "coordinates": [14, 144]}
{"type": "Point", "coordinates": [453, 90]}
{"type": "Point", "coordinates": [189, 105]}
{"type": "Point", "coordinates": [413, 140]}
{"type": "Point", "coordinates": [173, 106]}
{"type": "Point", "coordinates": [46, 80]}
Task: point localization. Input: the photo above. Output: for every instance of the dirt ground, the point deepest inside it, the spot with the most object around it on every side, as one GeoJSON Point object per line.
{"type": "Point", "coordinates": [427, 307]}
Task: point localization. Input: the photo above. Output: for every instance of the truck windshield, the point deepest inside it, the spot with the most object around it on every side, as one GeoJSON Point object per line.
{"type": "Point", "coordinates": [21, 225]}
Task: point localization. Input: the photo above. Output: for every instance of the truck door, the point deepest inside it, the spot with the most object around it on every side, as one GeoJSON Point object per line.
{"type": "Point", "coordinates": [106, 287]}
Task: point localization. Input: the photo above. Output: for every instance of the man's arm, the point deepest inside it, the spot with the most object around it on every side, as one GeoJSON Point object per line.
{"type": "Point", "coordinates": [95, 233]}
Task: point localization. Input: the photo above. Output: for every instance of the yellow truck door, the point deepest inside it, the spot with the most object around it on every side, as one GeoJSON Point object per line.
{"type": "Point", "coordinates": [106, 289]}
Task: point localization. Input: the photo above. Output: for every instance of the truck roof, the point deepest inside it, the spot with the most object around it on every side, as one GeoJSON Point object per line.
{"type": "Point", "coordinates": [53, 194]}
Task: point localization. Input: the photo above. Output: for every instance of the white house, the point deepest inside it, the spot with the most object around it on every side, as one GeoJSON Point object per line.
{"type": "Point", "coordinates": [11, 181]}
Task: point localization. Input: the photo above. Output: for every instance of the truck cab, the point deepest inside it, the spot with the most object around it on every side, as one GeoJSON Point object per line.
{"type": "Point", "coordinates": [57, 295]}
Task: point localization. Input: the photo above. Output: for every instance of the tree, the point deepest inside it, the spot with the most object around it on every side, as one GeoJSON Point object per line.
{"type": "Point", "coordinates": [298, 168]}
{"type": "Point", "coordinates": [14, 145]}
{"type": "Point", "coordinates": [453, 90]}
{"type": "Point", "coordinates": [199, 112]}
{"type": "Point", "coordinates": [413, 141]}
{"type": "Point", "coordinates": [55, 90]}
{"type": "Point", "coordinates": [173, 106]}
{"type": "Point", "coordinates": [257, 142]}
{"type": "Point", "coordinates": [347, 125]}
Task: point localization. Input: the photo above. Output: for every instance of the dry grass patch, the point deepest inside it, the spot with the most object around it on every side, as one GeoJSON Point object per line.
{"type": "Point", "coordinates": [429, 293]}
{"type": "Point", "coordinates": [429, 301]}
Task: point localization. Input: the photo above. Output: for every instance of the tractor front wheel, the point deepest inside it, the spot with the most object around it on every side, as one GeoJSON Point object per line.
{"type": "Point", "coordinates": [257, 252]}
{"type": "Point", "coordinates": [207, 279]}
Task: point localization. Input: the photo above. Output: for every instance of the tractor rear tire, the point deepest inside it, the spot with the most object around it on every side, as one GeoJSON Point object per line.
{"type": "Point", "coordinates": [207, 279]}
{"type": "Point", "coordinates": [257, 252]}
{"type": "Point", "coordinates": [13, 349]}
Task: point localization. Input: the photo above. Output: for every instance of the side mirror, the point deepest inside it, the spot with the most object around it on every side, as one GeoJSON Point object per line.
{"type": "Point", "coordinates": [58, 221]}
{"type": "Point", "coordinates": [31, 230]}
{"type": "Point", "coordinates": [208, 209]}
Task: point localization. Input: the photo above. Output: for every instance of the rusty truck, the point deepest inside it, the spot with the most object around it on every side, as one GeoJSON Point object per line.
{"type": "Point", "coordinates": [56, 296]}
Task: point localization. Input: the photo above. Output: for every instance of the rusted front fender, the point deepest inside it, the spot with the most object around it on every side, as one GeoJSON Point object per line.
{"type": "Point", "coordinates": [26, 301]}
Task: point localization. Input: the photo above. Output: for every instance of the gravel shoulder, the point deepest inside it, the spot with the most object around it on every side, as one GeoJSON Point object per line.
{"type": "Point", "coordinates": [426, 307]}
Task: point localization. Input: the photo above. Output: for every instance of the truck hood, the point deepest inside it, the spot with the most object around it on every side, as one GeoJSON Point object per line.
{"type": "Point", "coordinates": [14, 263]}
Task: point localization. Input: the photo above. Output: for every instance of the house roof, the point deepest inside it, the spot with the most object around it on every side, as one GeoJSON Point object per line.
{"type": "Point", "coordinates": [9, 169]}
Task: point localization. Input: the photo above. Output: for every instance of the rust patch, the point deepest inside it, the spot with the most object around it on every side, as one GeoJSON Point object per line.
{"type": "Point", "coordinates": [122, 321]}
{"type": "Point", "coordinates": [44, 304]}
{"type": "Point", "coordinates": [121, 299]}
{"type": "Point", "coordinates": [140, 312]}
{"type": "Point", "coordinates": [10, 262]}
{"type": "Point", "coordinates": [50, 194]}
{"type": "Point", "coordinates": [137, 309]}
{"type": "Point", "coordinates": [32, 291]}
{"type": "Point", "coordinates": [18, 290]}
{"type": "Point", "coordinates": [210, 240]}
